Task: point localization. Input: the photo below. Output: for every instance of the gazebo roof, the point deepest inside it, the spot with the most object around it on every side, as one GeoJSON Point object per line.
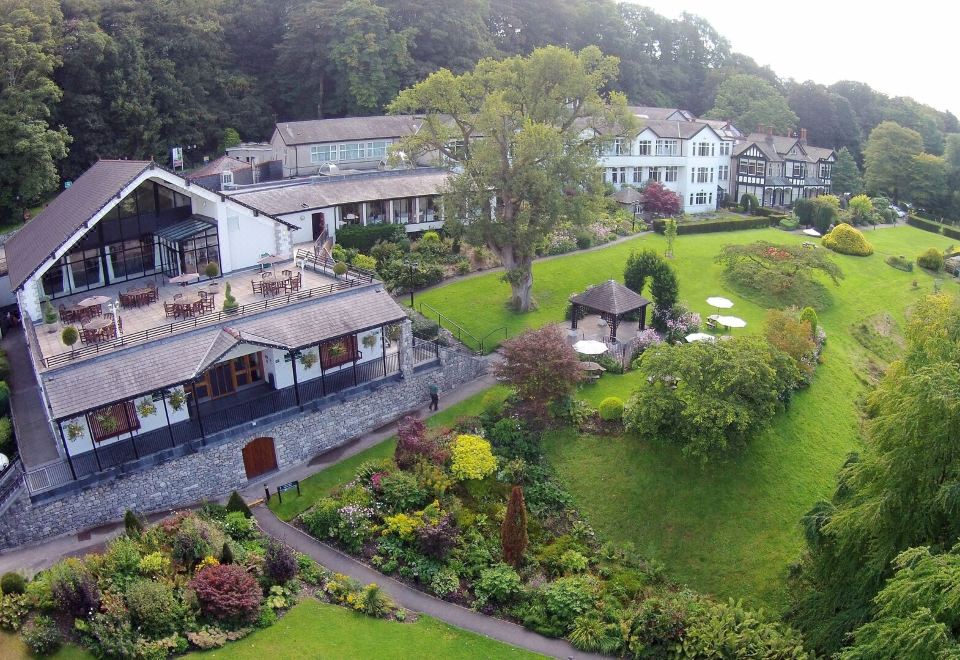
{"type": "Point", "coordinates": [628, 196]}
{"type": "Point", "coordinates": [611, 297]}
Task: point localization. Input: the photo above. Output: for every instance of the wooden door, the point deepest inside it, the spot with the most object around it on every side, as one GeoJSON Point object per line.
{"type": "Point", "coordinates": [319, 225]}
{"type": "Point", "coordinates": [259, 457]}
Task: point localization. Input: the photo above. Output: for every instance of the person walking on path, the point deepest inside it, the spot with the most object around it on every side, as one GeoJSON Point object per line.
{"type": "Point", "coordinates": [434, 397]}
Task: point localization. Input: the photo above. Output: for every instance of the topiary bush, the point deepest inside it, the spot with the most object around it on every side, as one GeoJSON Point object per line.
{"type": "Point", "coordinates": [236, 503]}
{"type": "Point", "coordinates": [611, 409]}
{"type": "Point", "coordinates": [226, 592]}
{"type": "Point", "coordinates": [12, 583]}
{"type": "Point", "coordinates": [809, 314]}
{"type": "Point", "coordinates": [749, 203]}
{"type": "Point", "coordinates": [846, 239]}
{"type": "Point", "coordinates": [931, 259]}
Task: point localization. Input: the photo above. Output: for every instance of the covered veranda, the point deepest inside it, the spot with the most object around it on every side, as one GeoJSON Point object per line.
{"type": "Point", "coordinates": [612, 301]}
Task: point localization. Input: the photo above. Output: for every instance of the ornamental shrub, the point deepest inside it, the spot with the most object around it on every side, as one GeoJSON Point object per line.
{"type": "Point", "coordinates": [154, 564]}
{"type": "Point", "coordinates": [498, 584]}
{"type": "Point", "coordinates": [132, 524]}
{"type": "Point", "coordinates": [809, 314]}
{"type": "Point", "coordinates": [400, 525]}
{"type": "Point", "coordinates": [227, 593]}
{"type": "Point", "coordinates": [567, 598]}
{"type": "Point", "coordinates": [789, 223]}
{"type": "Point", "coordinates": [445, 582]}
{"type": "Point", "coordinates": [900, 263]}
{"type": "Point", "coordinates": [931, 259]}
{"type": "Point", "coordinates": [749, 203]}
{"type": "Point", "coordinates": [847, 239]}
{"type": "Point", "coordinates": [238, 526]}
{"type": "Point", "coordinates": [236, 503]}
{"type": "Point", "coordinates": [154, 609]}
{"type": "Point", "coordinates": [400, 491]}
{"type": "Point", "coordinates": [611, 409]}
{"type": "Point", "coordinates": [364, 262]}
{"type": "Point", "coordinates": [322, 520]}
{"type": "Point", "coordinates": [12, 583]}
{"type": "Point", "coordinates": [75, 592]}
{"type": "Point", "coordinates": [195, 539]}
{"type": "Point", "coordinates": [279, 562]}
{"type": "Point", "coordinates": [13, 609]}
{"type": "Point", "coordinates": [42, 635]}
{"type": "Point", "coordinates": [472, 458]}
{"type": "Point", "coordinates": [439, 539]}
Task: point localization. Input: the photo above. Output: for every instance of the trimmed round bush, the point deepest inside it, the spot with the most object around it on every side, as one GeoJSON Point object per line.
{"type": "Point", "coordinates": [472, 458]}
{"type": "Point", "coordinates": [42, 635]}
{"type": "Point", "coordinates": [12, 583]}
{"type": "Point", "coordinates": [809, 314]}
{"type": "Point", "coordinates": [611, 409]}
{"type": "Point", "coordinates": [931, 259]}
{"type": "Point", "coordinates": [847, 239]}
{"type": "Point", "coordinates": [226, 592]}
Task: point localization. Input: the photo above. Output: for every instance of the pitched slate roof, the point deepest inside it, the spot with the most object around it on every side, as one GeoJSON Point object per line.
{"type": "Point", "coordinates": [67, 213]}
{"type": "Point", "coordinates": [346, 129]}
{"type": "Point", "coordinates": [222, 164]}
{"type": "Point", "coordinates": [161, 364]}
{"type": "Point", "coordinates": [628, 196]}
{"type": "Point", "coordinates": [651, 112]}
{"type": "Point", "coordinates": [611, 297]}
{"type": "Point", "coordinates": [330, 191]}
{"type": "Point", "coordinates": [683, 130]}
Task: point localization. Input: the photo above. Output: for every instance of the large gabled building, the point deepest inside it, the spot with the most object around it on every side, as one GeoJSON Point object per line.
{"type": "Point", "coordinates": [780, 169]}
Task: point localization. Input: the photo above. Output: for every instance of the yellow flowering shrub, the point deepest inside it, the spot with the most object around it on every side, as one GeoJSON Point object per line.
{"type": "Point", "coordinates": [209, 560]}
{"type": "Point", "coordinates": [154, 564]}
{"type": "Point", "coordinates": [472, 457]}
{"type": "Point", "coordinates": [401, 525]}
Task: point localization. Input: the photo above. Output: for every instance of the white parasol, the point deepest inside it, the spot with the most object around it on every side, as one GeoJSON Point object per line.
{"type": "Point", "coordinates": [731, 321]}
{"type": "Point", "coordinates": [811, 232]}
{"type": "Point", "coordinates": [719, 303]}
{"type": "Point", "coordinates": [93, 301]}
{"type": "Point", "coordinates": [590, 347]}
{"type": "Point", "coordinates": [700, 336]}
{"type": "Point", "coordinates": [183, 279]}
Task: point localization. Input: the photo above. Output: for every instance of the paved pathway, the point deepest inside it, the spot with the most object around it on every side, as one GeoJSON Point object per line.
{"type": "Point", "coordinates": [413, 599]}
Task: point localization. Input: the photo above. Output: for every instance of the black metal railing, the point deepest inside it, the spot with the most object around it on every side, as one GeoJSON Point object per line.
{"type": "Point", "coordinates": [203, 320]}
{"type": "Point", "coordinates": [321, 263]}
{"type": "Point", "coordinates": [425, 351]}
{"type": "Point", "coordinates": [457, 330]}
{"type": "Point", "coordinates": [10, 480]}
{"type": "Point", "coordinates": [212, 419]}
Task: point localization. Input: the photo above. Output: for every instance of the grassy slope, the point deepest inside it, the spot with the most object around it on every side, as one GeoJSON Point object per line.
{"type": "Point", "coordinates": [316, 630]}
{"type": "Point", "coordinates": [729, 529]}
{"type": "Point", "coordinates": [319, 484]}
{"type": "Point", "coordinates": [12, 648]}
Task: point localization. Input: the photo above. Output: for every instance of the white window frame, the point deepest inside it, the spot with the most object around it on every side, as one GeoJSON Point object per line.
{"type": "Point", "coordinates": [317, 151]}
{"type": "Point", "coordinates": [798, 167]}
{"type": "Point", "coordinates": [645, 148]}
{"type": "Point", "coordinates": [668, 148]}
{"type": "Point", "coordinates": [724, 148]}
{"type": "Point", "coordinates": [825, 170]}
{"type": "Point", "coordinates": [637, 174]}
{"type": "Point", "coordinates": [654, 174]}
{"type": "Point", "coordinates": [723, 172]}
{"type": "Point", "coordinates": [671, 174]}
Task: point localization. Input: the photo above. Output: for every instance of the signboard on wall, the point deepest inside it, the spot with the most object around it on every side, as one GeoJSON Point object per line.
{"type": "Point", "coordinates": [176, 157]}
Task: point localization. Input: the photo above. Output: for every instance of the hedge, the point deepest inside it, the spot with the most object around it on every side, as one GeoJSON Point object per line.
{"type": "Point", "coordinates": [364, 238]}
{"type": "Point", "coordinates": [935, 227]}
{"type": "Point", "coordinates": [708, 226]}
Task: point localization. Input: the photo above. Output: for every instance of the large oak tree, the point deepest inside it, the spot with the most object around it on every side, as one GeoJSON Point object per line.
{"type": "Point", "coordinates": [521, 137]}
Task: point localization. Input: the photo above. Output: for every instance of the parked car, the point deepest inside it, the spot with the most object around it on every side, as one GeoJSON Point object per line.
{"type": "Point", "coordinates": [899, 211]}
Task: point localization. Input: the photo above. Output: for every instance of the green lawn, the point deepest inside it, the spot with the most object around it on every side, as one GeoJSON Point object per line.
{"type": "Point", "coordinates": [12, 648]}
{"type": "Point", "coordinates": [313, 629]}
{"type": "Point", "coordinates": [729, 529]}
{"type": "Point", "coordinates": [318, 485]}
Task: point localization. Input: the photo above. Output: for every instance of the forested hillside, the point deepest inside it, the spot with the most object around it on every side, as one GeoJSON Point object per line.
{"type": "Point", "coordinates": [131, 78]}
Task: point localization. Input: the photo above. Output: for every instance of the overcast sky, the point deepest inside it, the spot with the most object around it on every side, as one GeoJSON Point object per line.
{"type": "Point", "coordinates": [907, 49]}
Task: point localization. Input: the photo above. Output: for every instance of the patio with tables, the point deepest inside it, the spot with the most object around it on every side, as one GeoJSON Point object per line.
{"type": "Point", "coordinates": [155, 302]}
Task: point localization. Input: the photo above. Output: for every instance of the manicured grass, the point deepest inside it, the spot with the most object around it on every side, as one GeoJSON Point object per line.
{"type": "Point", "coordinates": [731, 528]}
{"type": "Point", "coordinates": [320, 484]}
{"type": "Point", "coordinates": [313, 629]}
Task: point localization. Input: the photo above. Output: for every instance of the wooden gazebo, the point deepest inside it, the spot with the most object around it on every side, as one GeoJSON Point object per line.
{"type": "Point", "coordinates": [611, 300]}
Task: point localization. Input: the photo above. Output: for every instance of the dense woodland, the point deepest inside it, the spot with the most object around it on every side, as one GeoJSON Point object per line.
{"type": "Point", "coordinates": [88, 79]}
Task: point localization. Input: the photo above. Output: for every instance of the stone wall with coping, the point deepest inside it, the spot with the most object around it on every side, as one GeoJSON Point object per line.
{"type": "Point", "coordinates": [216, 469]}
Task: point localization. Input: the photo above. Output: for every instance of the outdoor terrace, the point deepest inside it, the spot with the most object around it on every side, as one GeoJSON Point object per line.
{"type": "Point", "coordinates": [148, 322]}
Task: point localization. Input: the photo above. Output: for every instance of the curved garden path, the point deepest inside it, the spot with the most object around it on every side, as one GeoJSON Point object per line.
{"type": "Point", "coordinates": [411, 598]}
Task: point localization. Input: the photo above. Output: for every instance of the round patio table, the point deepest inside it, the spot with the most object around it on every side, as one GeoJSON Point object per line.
{"type": "Point", "coordinates": [99, 323]}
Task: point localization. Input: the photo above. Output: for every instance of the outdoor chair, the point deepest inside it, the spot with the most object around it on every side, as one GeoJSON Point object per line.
{"type": "Point", "coordinates": [169, 310]}
{"type": "Point", "coordinates": [257, 286]}
{"type": "Point", "coordinates": [711, 324]}
{"type": "Point", "coordinates": [89, 336]}
{"type": "Point", "coordinates": [287, 273]}
{"type": "Point", "coordinates": [66, 316]}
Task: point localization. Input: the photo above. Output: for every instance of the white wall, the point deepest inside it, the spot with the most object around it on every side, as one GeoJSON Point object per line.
{"type": "Point", "coordinates": [246, 237]}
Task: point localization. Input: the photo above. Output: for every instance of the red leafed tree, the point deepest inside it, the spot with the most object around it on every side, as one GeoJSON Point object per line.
{"type": "Point", "coordinates": [414, 444]}
{"type": "Point", "coordinates": [228, 593]}
{"type": "Point", "coordinates": [541, 366]}
{"type": "Point", "coordinates": [660, 200]}
{"type": "Point", "coordinates": [513, 531]}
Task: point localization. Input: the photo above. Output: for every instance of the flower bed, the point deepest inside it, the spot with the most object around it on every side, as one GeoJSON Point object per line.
{"type": "Point", "coordinates": [474, 516]}
{"type": "Point", "coordinates": [196, 580]}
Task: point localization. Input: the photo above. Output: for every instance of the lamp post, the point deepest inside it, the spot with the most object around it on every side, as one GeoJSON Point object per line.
{"type": "Point", "coordinates": [412, 267]}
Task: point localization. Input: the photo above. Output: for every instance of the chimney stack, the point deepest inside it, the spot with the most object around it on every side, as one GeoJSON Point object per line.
{"type": "Point", "coordinates": [770, 130]}
{"type": "Point", "coordinates": [803, 135]}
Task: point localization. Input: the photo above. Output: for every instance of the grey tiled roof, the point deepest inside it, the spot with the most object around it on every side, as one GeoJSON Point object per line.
{"type": "Point", "coordinates": [319, 193]}
{"type": "Point", "coordinates": [222, 164]}
{"type": "Point", "coordinates": [319, 131]}
{"type": "Point", "coordinates": [675, 129]}
{"type": "Point", "coordinates": [161, 364]}
{"type": "Point", "coordinates": [67, 213]}
{"type": "Point", "coordinates": [611, 297]}
{"type": "Point", "coordinates": [651, 112]}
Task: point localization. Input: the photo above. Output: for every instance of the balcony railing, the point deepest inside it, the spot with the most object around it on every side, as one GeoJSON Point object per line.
{"type": "Point", "coordinates": [220, 417]}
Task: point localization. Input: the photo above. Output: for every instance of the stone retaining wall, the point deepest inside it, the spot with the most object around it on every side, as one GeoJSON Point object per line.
{"type": "Point", "coordinates": [217, 469]}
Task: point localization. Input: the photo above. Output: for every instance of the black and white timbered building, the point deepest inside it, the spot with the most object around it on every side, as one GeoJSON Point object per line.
{"type": "Point", "coordinates": [780, 169]}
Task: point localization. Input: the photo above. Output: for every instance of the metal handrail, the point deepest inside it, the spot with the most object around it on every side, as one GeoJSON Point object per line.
{"type": "Point", "coordinates": [199, 321]}
{"type": "Point", "coordinates": [456, 326]}
{"type": "Point", "coordinates": [326, 265]}
{"type": "Point", "coordinates": [484, 338]}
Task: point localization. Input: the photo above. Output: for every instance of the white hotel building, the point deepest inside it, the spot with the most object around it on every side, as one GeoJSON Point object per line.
{"type": "Point", "coordinates": [689, 156]}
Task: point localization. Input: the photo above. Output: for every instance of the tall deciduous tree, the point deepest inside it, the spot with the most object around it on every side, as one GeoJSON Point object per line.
{"type": "Point", "coordinates": [540, 365]}
{"type": "Point", "coordinates": [890, 149]}
{"type": "Point", "coordinates": [751, 102]}
{"type": "Point", "coordinates": [928, 182]}
{"type": "Point", "coordinates": [521, 136]}
{"type": "Point", "coordinates": [846, 175]}
{"type": "Point", "coordinates": [902, 491]}
{"type": "Point", "coordinates": [29, 146]}
{"type": "Point", "coordinates": [513, 531]}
